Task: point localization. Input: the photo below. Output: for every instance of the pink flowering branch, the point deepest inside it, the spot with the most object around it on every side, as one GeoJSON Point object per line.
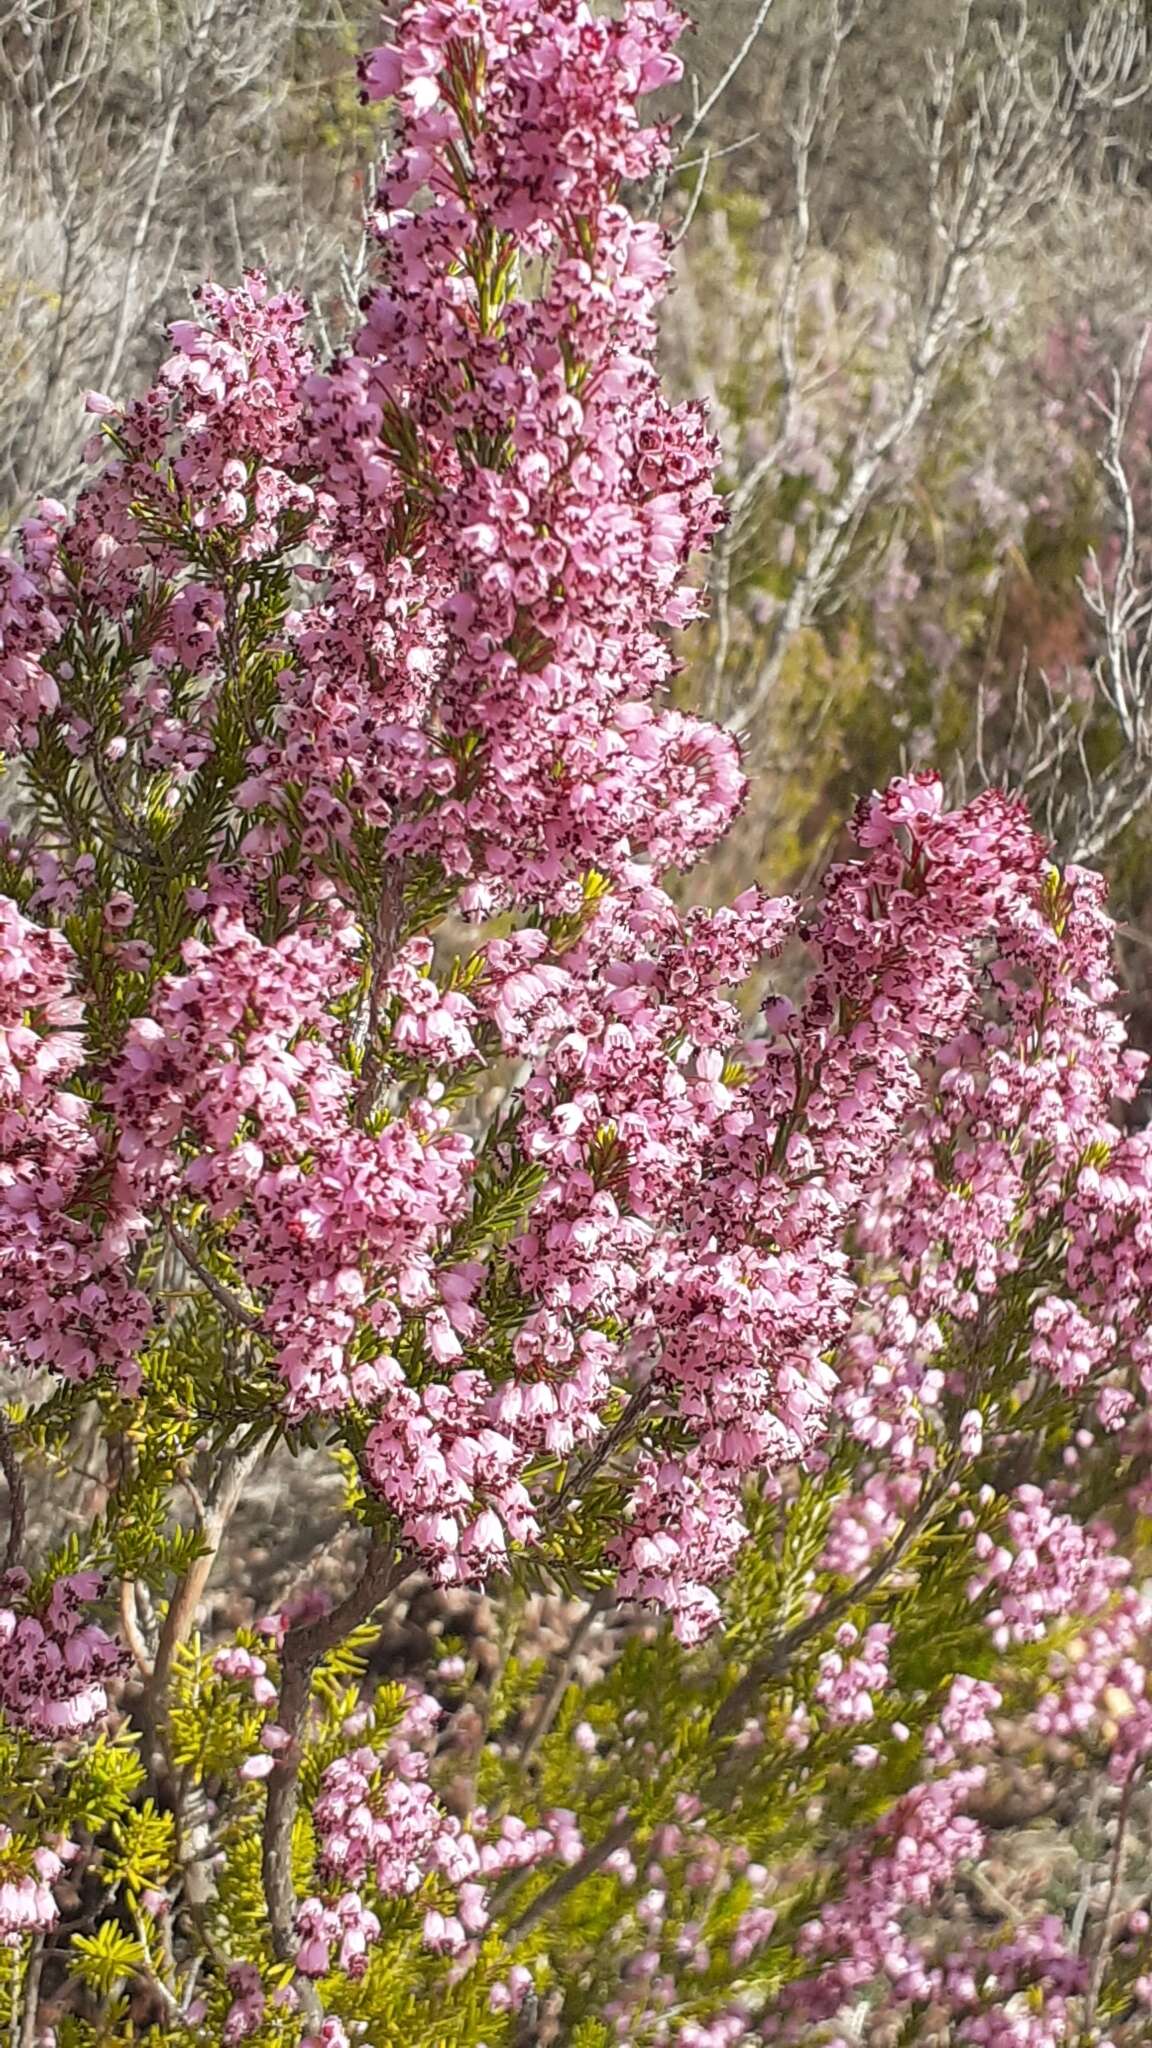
{"type": "Point", "coordinates": [775, 1660]}
{"type": "Point", "coordinates": [303, 1648]}
{"type": "Point", "coordinates": [734, 1708]}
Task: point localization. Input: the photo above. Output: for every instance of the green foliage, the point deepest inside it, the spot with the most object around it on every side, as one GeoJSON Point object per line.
{"type": "Point", "coordinates": [106, 1958]}
{"type": "Point", "coordinates": [771, 1585]}
{"type": "Point", "coordinates": [142, 1854]}
{"type": "Point", "coordinates": [213, 1723]}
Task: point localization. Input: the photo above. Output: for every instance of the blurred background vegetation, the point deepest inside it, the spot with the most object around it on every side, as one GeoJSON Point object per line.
{"type": "Point", "coordinates": [912, 285]}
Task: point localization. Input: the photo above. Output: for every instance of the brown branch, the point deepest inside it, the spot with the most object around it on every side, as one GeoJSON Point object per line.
{"type": "Point", "coordinates": [133, 1636]}
{"type": "Point", "coordinates": [194, 1852]}
{"type": "Point", "coordinates": [609, 1443]}
{"type": "Point", "coordinates": [30, 1996]}
{"type": "Point", "coordinates": [213, 1516]}
{"type": "Point", "coordinates": [385, 939]}
{"type": "Point", "coordinates": [213, 1523]}
{"type": "Point", "coordinates": [562, 1887]}
{"type": "Point", "coordinates": [17, 1497]}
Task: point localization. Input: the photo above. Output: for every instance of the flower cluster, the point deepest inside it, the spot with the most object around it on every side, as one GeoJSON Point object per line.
{"type": "Point", "coordinates": [909, 1860]}
{"type": "Point", "coordinates": [54, 1663]}
{"type": "Point", "coordinates": [1047, 1566]}
{"type": "Point", "coordinates": [66, 1216]}
{"type": "Point", "coordinates": [27, 1875]}
{"type": "Point", "coordinates": [381, 1828]}
{"type": "Point", "coordinates": [847, 1684]}
{"type": "Point", "coordinates": [509, 501]}
{"type": "Point", "coordinates": [331, 1224]}
{"type": "Point", "coordinates": [28, 627]}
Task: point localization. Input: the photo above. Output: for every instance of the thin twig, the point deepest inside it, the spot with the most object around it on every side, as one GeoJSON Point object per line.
{"type": "Point", "coordinates": [704, 107]}
{"type": "Point", "coordinates": [244, 1318]}
{"type": "Point", "coordinates": [30, 1997]}
{"type": "Point", "coordinates": [130, 1623]}
{"type": "Point", "coordinates": [1092, 1996]}
{"type": "Point", "coordinates": [618, 1836]}
{"type": "Point", "coordinates": [178, 1622]}
{"type": "Point", "coordinates": [550, 1706]}
{"type": "Point", "coordinates": [726, 78]}
{"type": "Point", "coordinates": [694, 198]}
{"type": "Point", "coordinates": [610, 1442]}
{"type": "Point", "coordinates": [998, 135]}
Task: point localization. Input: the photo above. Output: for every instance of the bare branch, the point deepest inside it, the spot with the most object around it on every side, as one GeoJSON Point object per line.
{"type": "Point", "coordinates": [228, 1485]}
{"type": "Point", "coordinates": [554, 1697]}
{"type": "Point", "coordinates": [997, 131]}
{"type": "Point", "coordinates": [739, 59]}
{"type": "Point", "coordinates": [1100, 1957]}
{"type": "Point", "coordinates": [702, 108]}
{"type": "Point", "coordinates": [1082, 806]}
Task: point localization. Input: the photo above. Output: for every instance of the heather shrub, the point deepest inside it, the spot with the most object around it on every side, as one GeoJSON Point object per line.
{"type": "Point", "coordinates": [760, 1289]}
